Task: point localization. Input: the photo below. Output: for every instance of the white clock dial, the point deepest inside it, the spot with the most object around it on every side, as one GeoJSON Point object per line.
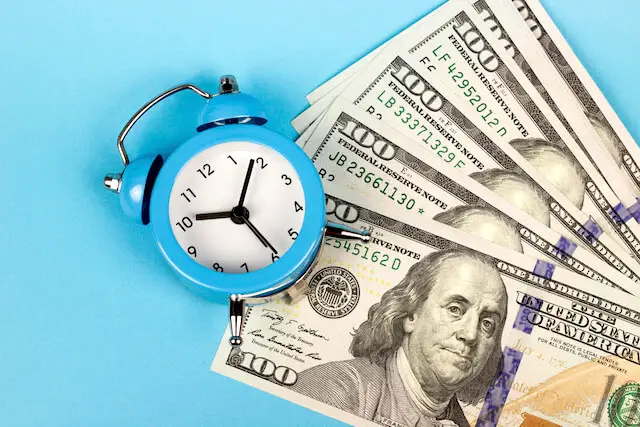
{"type": "Point", "coordinates": [212, 182]}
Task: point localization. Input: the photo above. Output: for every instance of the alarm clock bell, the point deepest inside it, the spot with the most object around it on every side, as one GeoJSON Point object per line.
{"type": "Point", "coordinates": [135, 182]}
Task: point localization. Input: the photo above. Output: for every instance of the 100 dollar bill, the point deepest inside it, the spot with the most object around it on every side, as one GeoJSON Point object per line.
{"type": "Point", "coordinates": [614, 136]}
{"type": "Point", "coordinates": [433, 326]}
{"type": "Point", "coordinates": [513, 45]}
{"type": "Point", "coordinates": [451, 46]}
{"type": "Point", "coordinates": [357, 151]}
{"type": "Point", "coordinates": [444, 126]}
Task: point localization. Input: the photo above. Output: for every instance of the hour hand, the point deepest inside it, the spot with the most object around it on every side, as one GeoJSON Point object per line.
{"type": "Point", "coordinates": [213, 215]}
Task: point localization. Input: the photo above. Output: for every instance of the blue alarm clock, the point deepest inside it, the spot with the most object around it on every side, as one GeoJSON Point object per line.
{"type": "Point", "coordinates": [238, 210]}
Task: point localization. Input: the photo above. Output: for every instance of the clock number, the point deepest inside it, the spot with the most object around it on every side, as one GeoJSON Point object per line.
{"type": "Point", "coordinates": [192, 251]}
{"type": "Point", "coordinates": [206, 171]}
{"type": "Point", "coordinates": [217, 267]}
{"type": "Point", "coordinates": [298, 207]}
{"type": "Point", "coordinates": [231, 158]}
{"type": "Point", "coordinates": [274, 257]}
{"type": "Point", "coordinates": [246, 267]}
{"type": "Point", "coordinates": [286, 179]}
{"type": "Point", "coordinates": [260, 161]}
{"type": "Point", "coordinates": [185, 223]}
{"type": "Point", "coordinates": [186, 196]}
{"type": "Point", "coordinates": [293, 234]}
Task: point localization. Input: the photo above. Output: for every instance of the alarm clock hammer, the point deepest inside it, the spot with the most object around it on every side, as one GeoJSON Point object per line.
{"type": "Point", "coordinates": [244, 248]}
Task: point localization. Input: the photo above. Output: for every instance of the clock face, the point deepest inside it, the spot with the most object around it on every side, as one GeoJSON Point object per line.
{"type": "Point", "coordinates": [230, 230]}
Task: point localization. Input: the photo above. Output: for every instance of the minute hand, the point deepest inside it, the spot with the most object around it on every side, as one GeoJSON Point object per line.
{"type": "Point", "coordinates": [259, 235]}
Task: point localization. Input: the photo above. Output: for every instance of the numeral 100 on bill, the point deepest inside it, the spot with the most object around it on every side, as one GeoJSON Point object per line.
{"type": "Point", "coordinates": [264, 368]}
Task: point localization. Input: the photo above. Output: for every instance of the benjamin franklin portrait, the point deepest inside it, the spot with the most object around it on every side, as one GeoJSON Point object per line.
{"type": "Point", "coordinates": [485, 222]}
{"type": "Point", "coordinates": [608, 138]}
{"type": "Point", "coordinates": [556, 164]}
{"type": "Point", "coordinates": [432, 342]}
{"type": "Point", "coordinates": [517, 189]}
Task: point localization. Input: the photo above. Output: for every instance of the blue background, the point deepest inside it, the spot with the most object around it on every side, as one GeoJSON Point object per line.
{"type": "Point", "coordinates": [94, 328]}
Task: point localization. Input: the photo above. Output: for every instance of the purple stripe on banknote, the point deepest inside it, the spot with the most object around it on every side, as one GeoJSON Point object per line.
{"type": "Point", "coordinates": [544, 269]}
{"type": "Point", "coordinates": [522, 323]}
{"type": "Point", "coordinates": [634, 210]}
{"type": "Point", "coordinates": [499, 390]}
{"type": "Point", "coordinates": [566, 246]}
{"type": "Point", "coordinates": [622, 213]}
{"type": "Point", "coordinates": [592, 228]}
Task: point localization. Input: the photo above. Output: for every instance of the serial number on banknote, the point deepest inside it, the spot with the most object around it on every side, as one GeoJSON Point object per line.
{"type": "Point", "coordinates": [365, 253]}
{"type": "Point", "coordinates": [467, 89]}
{"type": "Point", "coordinates": [379, 183]}
{"type": "Point", "coordinates": [428, 136]}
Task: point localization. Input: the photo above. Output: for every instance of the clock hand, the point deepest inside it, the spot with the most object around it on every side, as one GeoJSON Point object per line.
{"type": "Point", "coordinates": [246, 183]}
{"type": "Point", "coordinates": [213, 215]}
{"type": "Point", "coordinates": [259, 235]}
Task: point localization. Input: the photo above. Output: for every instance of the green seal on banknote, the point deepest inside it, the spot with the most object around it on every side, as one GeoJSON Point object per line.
{"type": "Point", "coordinates": [624, 406]}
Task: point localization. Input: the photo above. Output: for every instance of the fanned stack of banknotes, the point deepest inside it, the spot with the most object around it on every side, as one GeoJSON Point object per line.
{"type": "Point", "coordinates": [501, 192]}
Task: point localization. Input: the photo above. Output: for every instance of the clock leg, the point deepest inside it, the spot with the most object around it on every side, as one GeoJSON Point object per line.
{"type": "Point", "coordinates": [236, 316]}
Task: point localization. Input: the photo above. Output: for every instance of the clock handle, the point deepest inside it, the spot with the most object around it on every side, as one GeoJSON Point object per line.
{"type": "Point", "coordinates": [146, 107]}
{"type": "Point", "coordinates": [236, 317]}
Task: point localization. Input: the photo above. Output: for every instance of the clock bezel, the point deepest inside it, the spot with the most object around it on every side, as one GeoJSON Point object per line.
{"type": "Point", "coordinates": [282, 273]}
